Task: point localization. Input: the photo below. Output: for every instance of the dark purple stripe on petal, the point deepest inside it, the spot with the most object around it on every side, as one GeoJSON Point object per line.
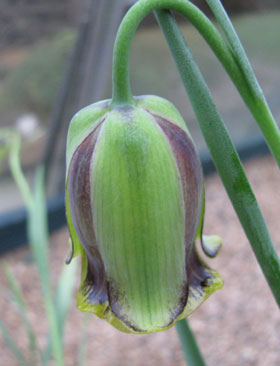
{"type": "Point", "coordinates": [199, 273]}
{"type": "Point", "coordinates": [79, 191]}
{"type": "Point", "coordinates": [181, 304]}
{"type": "Point", "coordinates": [191, 178]}
{"type": "Point", "coordinates": [190, 172]}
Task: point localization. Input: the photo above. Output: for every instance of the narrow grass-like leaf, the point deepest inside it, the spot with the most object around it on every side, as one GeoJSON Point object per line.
{"type": "Point", "coordinates": [4, 148]}
{"type": "Point", "coordinates": [11, 344]}
{"type": "Point", "coordinates": [18, 298]}
{"type": "Point", "coordinates": [223, 154]}
{"type": "Point", "coordinates": [64, 292]}
{"type": "Point", "coordinates": [234, 41]}
{"type": "Point", "coordinates": [83, 344]}
{"type": "Point", "coordinates": [38, 236]}
{"type": "Point", "coordinates": [10, 145]}
{"type": "Point", "coordinates": [47, 352]}
{"type": "Point", "coordinates": [258, 106]}
{"type": "Point", "coordinates": [16, 170]}
{"type": "Point", "coordinates": [63, 301]}
{"type": "Point", "coordinates": [188, 342]}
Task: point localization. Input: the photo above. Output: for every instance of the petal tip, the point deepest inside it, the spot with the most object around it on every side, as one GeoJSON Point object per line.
{"type": "Point", "coordinates": [211, 245]}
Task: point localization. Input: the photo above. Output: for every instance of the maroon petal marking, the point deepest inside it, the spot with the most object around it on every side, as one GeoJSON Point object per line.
{"type": "Point", "coordinates": [79, 192]}
{"type": "Point", "coordinates": [190, 170]}
{"type": "Point", "coordinates": [199, 273]}
{"type": "Point", "coordinates": [191, 177]}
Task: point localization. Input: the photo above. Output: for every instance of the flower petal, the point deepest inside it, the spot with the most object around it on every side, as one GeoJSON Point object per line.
{"type": "Point", "coordinates": [139, 220]}
{"type": "Point", "coordinates": [79, 196]}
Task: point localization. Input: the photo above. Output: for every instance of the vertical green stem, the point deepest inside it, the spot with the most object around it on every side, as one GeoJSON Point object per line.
{"type": "Point", "coordinates": [189, 345]}
{"type": "Point", "coordinates": [223, 154]}
{"type": "Point", "coordinates": [38, 236]}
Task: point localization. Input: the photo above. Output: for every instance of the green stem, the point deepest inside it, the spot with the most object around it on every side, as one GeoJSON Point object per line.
{"type": "Point", "coordinates": [230, 59]}
{"type": "Point", "coordinates": [190, 348]}
{"type": "Point", "coordinates": [223, 153]}
{"type": "Point", "coordinates": [38, 237]}
{"type": "Point", "coordinates": [121, 83]}
{"type": "Point", "coordinates": [258, 105]}
{"type": "Point", "coordinates": [16, 170]}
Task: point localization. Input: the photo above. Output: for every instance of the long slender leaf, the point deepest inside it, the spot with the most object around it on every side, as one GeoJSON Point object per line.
{"type": "Point", "coordinates": [18, 298]}
{"type": "Point", "coordinates": [83, 344]}
{"type": "Point", "coordinates": [259, 106]}
{"type": "Point", "coordinates": [65, 291]}
{"type": "Point", "coordinates": [37, 231]}
{"type": "Point", "coordinates": [4, 148]}
{"type": "Point", "coordinates": [16, 170]}
{"type": "Point", "coordinates": [223, 154]}
{"type": "Point", "coordinates": [38, 236]}
{"type": "Point", "coordinates": [63, 301]}
{"type": "Point", "coordinates": [11, 344]}
{"type": "Point", "coordinates": [234, 41]}
{"type": "Point", "coordinates": [188, 342]}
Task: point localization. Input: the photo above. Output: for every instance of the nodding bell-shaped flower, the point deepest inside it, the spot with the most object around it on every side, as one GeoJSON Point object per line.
{"type": "Point", "coordinates": [135, 207]}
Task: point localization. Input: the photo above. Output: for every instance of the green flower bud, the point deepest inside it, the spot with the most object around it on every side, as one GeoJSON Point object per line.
{"type": "Point", "coordinates": [135, 206]}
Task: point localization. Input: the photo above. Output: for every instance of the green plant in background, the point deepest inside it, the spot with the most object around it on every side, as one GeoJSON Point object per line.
{"type": "Point", "coordinates": [44, 66]}
{"type": "Point", "coordinates": [57, 306]}
{"type": "Point", "coordinates": [108, 207]}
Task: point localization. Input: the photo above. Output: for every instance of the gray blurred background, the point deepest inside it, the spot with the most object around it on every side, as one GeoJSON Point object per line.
{"type": "Point", "coordinates": [55, 57]}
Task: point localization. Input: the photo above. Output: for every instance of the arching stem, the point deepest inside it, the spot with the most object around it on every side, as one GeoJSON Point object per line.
{"type": "Point", "coordinates": [121, 83]}
{"type": "Point", "coordinates": [229, 57]}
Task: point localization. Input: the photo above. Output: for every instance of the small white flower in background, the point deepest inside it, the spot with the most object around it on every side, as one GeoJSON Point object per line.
{"type": "Point", "coordinates": [27, 124]}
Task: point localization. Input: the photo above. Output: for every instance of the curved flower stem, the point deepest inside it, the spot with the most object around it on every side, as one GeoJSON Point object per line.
{"type": "Point", "coordinates": [121, 84]}
{"type": "Point", "coordinates": [190, 348]}
{"type": "Point", "coordinates": [16, 171]}
{"type": "Point", "coordinates": [259, 107]}
{"type": "Point", "coordinates": [223, 154]}
{"type": "Point", "coordinates": [231, 59]}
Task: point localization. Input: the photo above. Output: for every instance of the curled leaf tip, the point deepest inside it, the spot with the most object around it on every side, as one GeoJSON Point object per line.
{"type": "Point", "coordinates": [71, 252]}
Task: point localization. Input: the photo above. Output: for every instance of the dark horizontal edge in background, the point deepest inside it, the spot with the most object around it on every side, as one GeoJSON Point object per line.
{"type": "Point", "coordinates": [13, 232]}
{"type": "Point", "coordinates": [13, 224]}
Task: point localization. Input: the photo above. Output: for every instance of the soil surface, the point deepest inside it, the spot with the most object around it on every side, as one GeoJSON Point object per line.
{"type": "Point", "coordinates": [239, 325]}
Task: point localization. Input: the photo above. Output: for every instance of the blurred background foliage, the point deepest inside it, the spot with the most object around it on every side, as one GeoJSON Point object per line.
{"type": "Point", "coordinates": [33, 83]}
